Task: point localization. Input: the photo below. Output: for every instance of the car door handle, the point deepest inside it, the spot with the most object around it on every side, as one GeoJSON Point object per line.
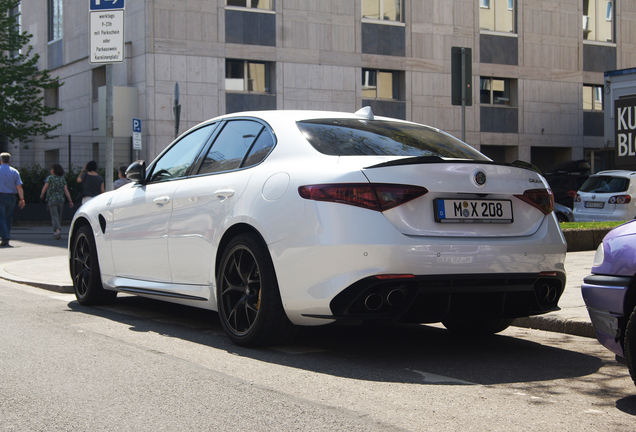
{"type": "Point", "coordinates": [224, 193]}
{"type": "Point", "coordinates": [161, 200]}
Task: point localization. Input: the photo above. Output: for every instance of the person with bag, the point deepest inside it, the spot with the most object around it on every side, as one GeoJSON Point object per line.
{"type": "Point", "coordinates": [55, 189]}
{"type": "Point", "coordinates": [93, 182]}
{"type": "Point", "coordinates": [10, 184]}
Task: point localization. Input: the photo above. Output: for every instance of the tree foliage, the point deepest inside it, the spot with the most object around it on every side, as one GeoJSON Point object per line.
{"type": "Point", "coordinates": [22, 109]}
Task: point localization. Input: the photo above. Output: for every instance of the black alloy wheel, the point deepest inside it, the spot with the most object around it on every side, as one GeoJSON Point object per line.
{"type": "Point", "coordinates": [249, 303]}
{"type": "Point", "coordinates": [87, 282]}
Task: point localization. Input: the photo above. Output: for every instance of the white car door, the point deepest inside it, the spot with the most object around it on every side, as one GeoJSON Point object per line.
{"type": "Point", "coordinates": [203, 203]}
{"type": "Point", "coordinates": [142, 213]}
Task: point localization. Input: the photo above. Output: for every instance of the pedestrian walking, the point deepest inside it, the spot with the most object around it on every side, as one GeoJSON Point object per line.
{"type": "Point", "coordinates": [55, 189]}
{"type": "Point", "coordinates": [122, 180]}
{"type": "Point", "coordinates": [93, 183]}
{"type": "Point", "coordinates": [10, 184]}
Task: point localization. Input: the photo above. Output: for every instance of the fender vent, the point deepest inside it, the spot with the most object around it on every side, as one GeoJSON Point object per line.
{"type": "Point", "coordinates": [102, 223]}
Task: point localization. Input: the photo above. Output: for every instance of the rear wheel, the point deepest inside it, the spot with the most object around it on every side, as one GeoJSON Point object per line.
{"type": "Point", "coordinates": [249, 303]}
{"type": "Point", "coordinates": [630, 344]}
{"type": "Point", "coordinates": [87, 281]}
{"type": "Point", "coordinates": [477, 327]}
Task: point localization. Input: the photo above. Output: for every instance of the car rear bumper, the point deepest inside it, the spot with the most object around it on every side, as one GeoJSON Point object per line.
{"type": "Point", "coordinates": [427, 299]}
{"type": "Point", "coordinates": [585, 215]}
{"type": "Point", "coordinates": [605, 300]}
{"type": "Point", "coordinates": [314, 268]}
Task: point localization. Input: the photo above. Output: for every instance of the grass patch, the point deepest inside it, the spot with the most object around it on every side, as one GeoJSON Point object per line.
{"type": "Point", "coordinates": [589, 225]}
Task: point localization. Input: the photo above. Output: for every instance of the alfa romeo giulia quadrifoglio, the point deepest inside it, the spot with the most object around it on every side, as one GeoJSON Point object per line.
{"type": "Point", "coordinates": [279, 219]}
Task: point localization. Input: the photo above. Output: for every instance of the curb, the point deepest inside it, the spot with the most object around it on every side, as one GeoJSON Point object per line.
{"type": "Point", "coordinates": [556, 325]}
{"type": "Point", "coordinates": [584, 239]}
{"type": "Point", "coordinates": [63, 289]}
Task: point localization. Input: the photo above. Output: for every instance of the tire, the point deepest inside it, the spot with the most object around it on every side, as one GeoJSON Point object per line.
{"type": "Point", "coordinates": [477, 327]}
{"type": "Point", "coordinates": [249, 304]}
{"type": "Point", "coordinates": [562, 218]}
{"type": "Point", "coordinates": [87, 280]}
{"type": "Point", "coordinates": [629, 344]}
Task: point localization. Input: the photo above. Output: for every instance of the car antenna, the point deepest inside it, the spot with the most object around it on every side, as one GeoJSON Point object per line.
{"type": "Point", "coordinates": [365, 112]}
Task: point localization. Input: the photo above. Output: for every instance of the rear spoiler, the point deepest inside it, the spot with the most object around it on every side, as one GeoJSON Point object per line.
{"type": "Point", "coordinates": [436, 159]}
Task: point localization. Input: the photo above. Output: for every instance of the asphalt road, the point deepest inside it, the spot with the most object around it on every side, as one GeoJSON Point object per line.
{"type": "Point", "coordinates": [142, 365]}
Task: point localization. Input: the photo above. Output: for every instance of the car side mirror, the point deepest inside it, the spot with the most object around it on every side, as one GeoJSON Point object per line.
{"type": "Point", "coordinates": [136, 172]}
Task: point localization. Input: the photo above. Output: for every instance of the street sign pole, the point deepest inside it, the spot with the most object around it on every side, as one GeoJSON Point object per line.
{"type": "Point", "coordinates": [464, 94]}
{"type": "Point", "coordinates": [461, 79]}
{"type": "Point", "coordinates": [110, 153]}
{"type": "Point", "coordinates": [106, 21]}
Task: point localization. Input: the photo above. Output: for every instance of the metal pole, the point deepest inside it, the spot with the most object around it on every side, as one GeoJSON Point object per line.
{"type": "Point", "coordinates": [109, 126]}
{"type": "Point", "coordinates": [464, 94]}
{"type": "Point", "coordinates": [69, 154]}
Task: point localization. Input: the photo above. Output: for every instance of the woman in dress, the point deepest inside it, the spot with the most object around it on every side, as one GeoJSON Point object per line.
{"type": "Point", "coordinates": [55, 188]}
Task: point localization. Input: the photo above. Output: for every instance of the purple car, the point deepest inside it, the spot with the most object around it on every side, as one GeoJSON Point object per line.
{"type": "Point", "coordinates": [610, 294]}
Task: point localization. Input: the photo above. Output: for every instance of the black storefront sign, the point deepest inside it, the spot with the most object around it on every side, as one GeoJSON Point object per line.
{"type": "Point", "coordinates": [625, 127]}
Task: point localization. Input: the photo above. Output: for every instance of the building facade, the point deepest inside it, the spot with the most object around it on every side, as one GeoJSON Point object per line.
{"type": "Point", "coordinates": [537, 69]}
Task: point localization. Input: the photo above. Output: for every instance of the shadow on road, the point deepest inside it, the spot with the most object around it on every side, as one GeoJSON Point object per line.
{"type": "Point", "coordinates": [627, 405]}
{"type": "Point", "coordinates": [394, 353]}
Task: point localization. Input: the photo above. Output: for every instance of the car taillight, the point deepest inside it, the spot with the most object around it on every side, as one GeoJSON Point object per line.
{"type": "Point", "coordinates": [571, 193]}
{"type": "Point", "coordinates": [577, 198]}
{"type": "Point", "coordinates": [620, 199]}
{"type": "Point", "coordinates": [373, 196]}
{"type": "Point", "coordinates": [539, 198]}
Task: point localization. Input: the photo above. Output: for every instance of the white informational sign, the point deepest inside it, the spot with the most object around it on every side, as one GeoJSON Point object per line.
{"type": "Point", "coordinates": [106, 36]}
{"type": "Point", "coordinates": [136, 134]}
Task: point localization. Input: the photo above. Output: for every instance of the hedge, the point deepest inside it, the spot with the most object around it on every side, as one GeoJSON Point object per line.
{"type": "Point", "coordinates": [33, 177]}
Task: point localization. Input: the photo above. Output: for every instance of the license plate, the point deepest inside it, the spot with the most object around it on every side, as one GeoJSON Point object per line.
{"type": "Point", "coordinates": [593, 204]}
{"type": "Point", "coordinates": [475, 211]}
{"type": "Point", "coordinates": [455, 260]}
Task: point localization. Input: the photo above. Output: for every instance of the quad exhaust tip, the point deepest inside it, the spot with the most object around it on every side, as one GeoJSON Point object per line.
{"type": "Point", "coordinates": [375, 301]}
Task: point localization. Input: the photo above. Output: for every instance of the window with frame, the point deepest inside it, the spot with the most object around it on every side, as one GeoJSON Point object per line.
{"type": "Point", "coordinates": [17, 26]}
{"type": "Point", "coordinates": [385, 10]}
{"type": "Point", "coordinates": [176, 162]}
{"type": "Point", "coordinates": [252, 4]}
{"type": "Point", "coordinates": [55, 19]}
{"type": "Point", "coordinates": [52, 97]}
{"type": "Point", "coordinates": [241, 143]}
{"type": "Point", "coordinates": [598, 20]}
{"type": "Point", "coordinates": [247, 76]}
{"type": "Point", "coordinates": [495, 91]}
{"type": "Point", "coordinates": [498, 15]}
{"type": "Point", "coordinates": [380, 84]}
{"type": "Point", "coordinates": [592, 97]}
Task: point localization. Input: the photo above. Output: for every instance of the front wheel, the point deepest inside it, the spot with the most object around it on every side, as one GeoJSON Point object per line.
{"type": "Point", "coordinates": [477, 327]}
{"type": "Point", "coordinates": [250, 308]}
{"type": "Point", "coordinates": [629, 344]}
{"type": "Point", "coordinates": [87, 281]}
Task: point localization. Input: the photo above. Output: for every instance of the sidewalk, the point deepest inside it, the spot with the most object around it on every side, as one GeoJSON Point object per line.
{"type": "Point", "coordinates": [36, 259]}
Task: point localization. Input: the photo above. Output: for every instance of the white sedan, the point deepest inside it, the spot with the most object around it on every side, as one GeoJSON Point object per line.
{"type": "Point", "coordinates": [277, 219]}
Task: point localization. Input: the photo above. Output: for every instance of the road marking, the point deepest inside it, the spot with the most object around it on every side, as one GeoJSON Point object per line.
{"type": "Point", "coordinates": [593, 411]}
{"type": "Point", "coordinates": [432, 378]}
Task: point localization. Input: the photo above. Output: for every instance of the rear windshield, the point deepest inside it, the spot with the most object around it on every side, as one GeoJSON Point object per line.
{"type": "Point", "coordinates": [353, 137]}
{"type": "Point", "coordinates": [605, 184]}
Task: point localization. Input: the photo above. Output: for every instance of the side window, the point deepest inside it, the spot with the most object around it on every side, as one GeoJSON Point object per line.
{"type": "Point", "coordinates": [231, 146]}
{"type": "Point", "coordinates": [176, 161]}
{"type": "Point", "coordinates": [260, 149]}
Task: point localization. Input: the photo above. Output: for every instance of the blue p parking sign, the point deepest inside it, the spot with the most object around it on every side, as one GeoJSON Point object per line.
{"type": "Point", "coordinates": [136, 134]}
{"type": "Point", "coordinates": [107, 4]}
